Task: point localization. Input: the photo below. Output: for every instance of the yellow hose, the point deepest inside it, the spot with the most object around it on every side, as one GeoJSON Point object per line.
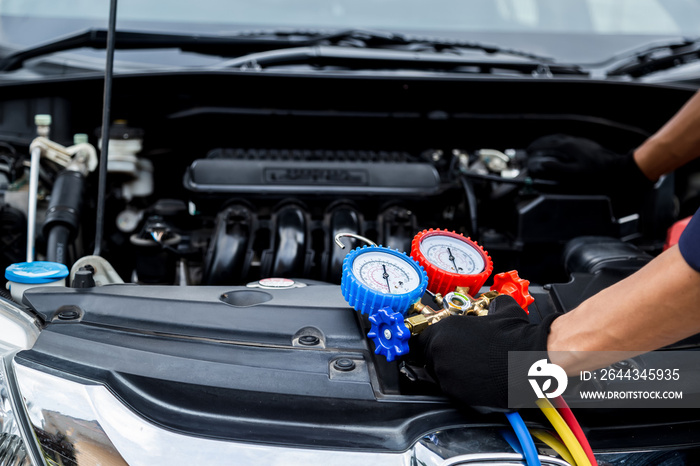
{"type": "Point", "coordinates": [554, 443]}
{"type": "Point", "coordinates": [564, 432]}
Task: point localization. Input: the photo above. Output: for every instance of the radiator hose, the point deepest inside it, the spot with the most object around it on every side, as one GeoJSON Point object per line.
{"type": "Point", "coordinates": [63, 216]}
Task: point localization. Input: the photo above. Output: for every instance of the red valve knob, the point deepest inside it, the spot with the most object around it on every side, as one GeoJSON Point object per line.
{"type": "Point", "coordinates": [511, 284]}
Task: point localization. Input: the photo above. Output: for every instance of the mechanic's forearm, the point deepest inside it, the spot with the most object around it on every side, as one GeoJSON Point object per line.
{"type": "Point", "coordinates": [656, 306]}
{"type": "Point", "coordinates": [674, 145]}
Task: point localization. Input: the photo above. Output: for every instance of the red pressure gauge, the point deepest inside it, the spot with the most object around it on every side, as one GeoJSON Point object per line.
{"type": "Point", "coordinates": [451, 260]}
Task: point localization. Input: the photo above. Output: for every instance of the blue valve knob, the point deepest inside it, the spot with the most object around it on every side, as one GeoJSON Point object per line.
{"type": "Point", "coordinates": [389, 334]}
{"type": "Point", "coordinates": [376, 277]}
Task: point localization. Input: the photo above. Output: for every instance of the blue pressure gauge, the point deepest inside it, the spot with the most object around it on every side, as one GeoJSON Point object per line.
{"type": "Point", "coordinates": [376, 277]}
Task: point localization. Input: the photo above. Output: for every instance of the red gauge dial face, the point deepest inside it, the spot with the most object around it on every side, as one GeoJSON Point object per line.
{"type": "Point", "coordinates": [453, 254]}
{"type": "Point", "coordinates": [451, 261]}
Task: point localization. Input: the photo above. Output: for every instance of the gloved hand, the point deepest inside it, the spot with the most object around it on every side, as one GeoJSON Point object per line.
{"type": "Point", "coordinates": [468, 355]}
{"type": "Point", "coordinates": [584, 165]}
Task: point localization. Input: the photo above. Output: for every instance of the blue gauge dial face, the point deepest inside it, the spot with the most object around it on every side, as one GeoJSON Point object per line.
{"type": "Point", "coordinates": [452, 255]}
{"type": "Point", "coordinates": [385, 273]}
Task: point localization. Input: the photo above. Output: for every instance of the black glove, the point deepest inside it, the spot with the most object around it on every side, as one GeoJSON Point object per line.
{"type": "Point", "coordinates": [468, 355]}
{"type": "Point", "coordinates": [584, 165]}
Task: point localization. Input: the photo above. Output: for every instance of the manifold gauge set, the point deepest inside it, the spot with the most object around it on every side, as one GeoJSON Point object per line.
{"type": "Point", "coordinates": [389, 285]}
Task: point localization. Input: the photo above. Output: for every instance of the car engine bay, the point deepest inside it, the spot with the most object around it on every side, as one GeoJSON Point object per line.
{"type": "Point", "coordinates": [272, 180]}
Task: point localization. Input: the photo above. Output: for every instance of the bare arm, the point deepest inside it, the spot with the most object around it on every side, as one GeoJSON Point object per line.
{"type": "Point", "coordinates": [656, 306]}
{"type": "Point", "coordinates": [674, 145]}
{"type": "Point", "coordinates": [659, 304]}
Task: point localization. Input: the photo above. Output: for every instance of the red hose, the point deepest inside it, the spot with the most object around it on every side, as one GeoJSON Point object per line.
{"type": "Point", "coordinates": [575, 427]}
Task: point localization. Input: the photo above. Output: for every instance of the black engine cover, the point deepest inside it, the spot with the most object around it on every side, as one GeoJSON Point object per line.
{"type": "Point", "coordinates": [240, 363]}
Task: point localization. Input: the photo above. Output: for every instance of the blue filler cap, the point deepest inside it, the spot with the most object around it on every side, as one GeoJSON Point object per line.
{"type": "Point", "coordinates": [36, 272]}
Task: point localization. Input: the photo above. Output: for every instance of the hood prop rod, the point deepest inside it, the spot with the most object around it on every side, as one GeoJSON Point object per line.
{"type": "Point", "coordinates": [106, 110]}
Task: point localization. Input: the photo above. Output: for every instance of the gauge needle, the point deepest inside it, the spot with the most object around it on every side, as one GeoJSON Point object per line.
{"type": "Point", "coordinates": [385, 275]}
{"type": "Point", "coordinates": [452, 258]}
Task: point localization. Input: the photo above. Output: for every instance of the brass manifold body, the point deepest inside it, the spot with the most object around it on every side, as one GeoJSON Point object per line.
{"type": "Point", "coordinates": [457, 302]}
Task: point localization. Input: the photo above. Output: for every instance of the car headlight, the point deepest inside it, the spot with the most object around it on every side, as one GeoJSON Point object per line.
{"type": "Point", "coordinates": [13, 448]}
{"type": "Point", "coordinates": [17, 444]}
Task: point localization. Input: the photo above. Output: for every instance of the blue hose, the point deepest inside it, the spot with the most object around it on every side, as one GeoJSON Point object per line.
{"type": "Point", "coordinates": [512, 440]}
{"type": "Point", "coordinates": [529, 449]}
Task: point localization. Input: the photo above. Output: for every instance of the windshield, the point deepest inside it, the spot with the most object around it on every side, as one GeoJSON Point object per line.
{"type": "Point", "coordinates": [574, 31]}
